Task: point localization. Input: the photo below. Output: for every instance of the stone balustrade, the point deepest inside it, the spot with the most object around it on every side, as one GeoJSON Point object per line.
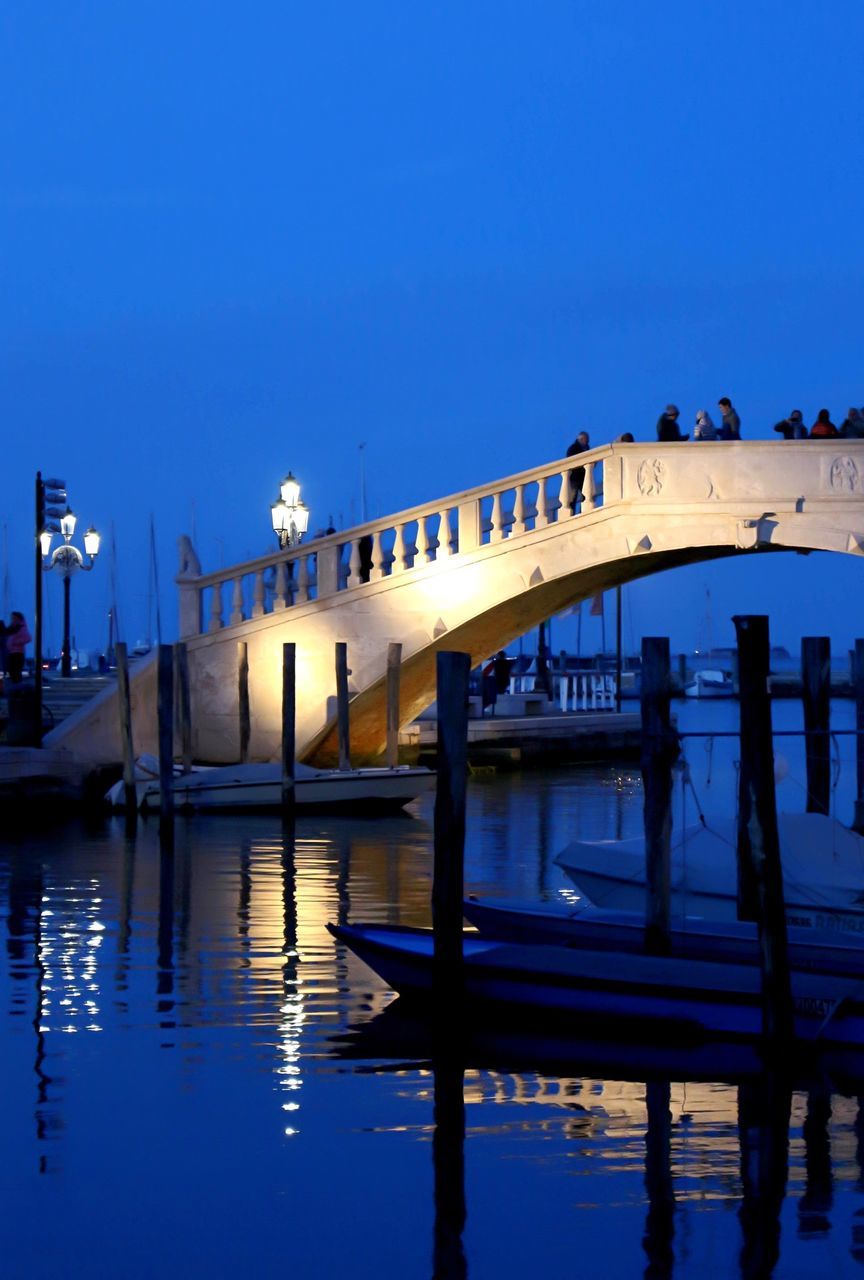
{"type": "Point", "coordinates": [402, 543]}
{"type": "Point", "coordinates": [644, 478]}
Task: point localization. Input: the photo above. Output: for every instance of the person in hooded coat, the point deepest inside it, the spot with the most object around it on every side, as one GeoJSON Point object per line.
{"type": "Point", "coordinates": [704, 429]}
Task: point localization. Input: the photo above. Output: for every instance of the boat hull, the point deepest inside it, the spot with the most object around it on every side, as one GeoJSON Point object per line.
{"type": "Point", "coordinates": [729, 942]}
{"type": "Point", "coordinates": [258, 788]}
{"type": "Point", "coordinates": [687, 998]}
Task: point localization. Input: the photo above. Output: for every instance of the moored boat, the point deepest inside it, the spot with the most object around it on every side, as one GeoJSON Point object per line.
{"type": "Point", "coordinates": [823, 872]}
{"type": "Point", "coordinates": [686, 997]}
{"type": "Point", "coordinates": [590, 928]}
{"type": "Point", "coordinates": [258, 787]}
{"type": "Point", "coordinates": [710, 684]}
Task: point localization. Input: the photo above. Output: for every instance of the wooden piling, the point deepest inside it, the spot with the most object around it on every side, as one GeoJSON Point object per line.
{"type": "Point", "coordinates": [289, 747]}
{"type": "Point", "coordinates": [858, 822]}
{"type": "Point", "coordinates": [243, 699]}
{"type": "Point", "coordinates": [659, 750]}
{"type": "Point", "coordinates": [816, 695]}
{"type": "Point", "coordinates": [130, 798]}
{"type": "Point", "coordinates": [165, 713]}
{"type": "Point", "coordinates": [758, 840]}
{"type": "Point", "coordinates": [343, 723]}
{"type": "Point", "coordinates": [448, 874]}
{"type": "Point", "coordinates": [394, 671]}
{"type": "Point", "coordinates": [184, 704]}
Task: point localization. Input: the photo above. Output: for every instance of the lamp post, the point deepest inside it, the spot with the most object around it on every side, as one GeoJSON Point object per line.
{"type": "Point", "coordinates": [67, 560]}
{"type": "Point", "coordinates": [290, 515]}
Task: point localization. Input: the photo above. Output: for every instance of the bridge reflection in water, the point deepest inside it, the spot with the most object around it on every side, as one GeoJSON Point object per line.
{"type": "Point", "coordinates": [180, 1031]}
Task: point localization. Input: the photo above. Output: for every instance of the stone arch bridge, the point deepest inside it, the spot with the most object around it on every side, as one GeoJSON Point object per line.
{"type": "Point", "coordinates": [473, 571]}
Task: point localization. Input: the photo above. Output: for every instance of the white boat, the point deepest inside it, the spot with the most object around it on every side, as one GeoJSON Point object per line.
{"type": "Point", "coordinates": [259, 787]}
{"type": "Point", "coordinates": [823, 872]}
{"type": "Point", "coordinates": [710, 684]}
{"type": "Point", "coordinates": [591, 928]}
{"type": "Point", "coordinates": [684, 997]}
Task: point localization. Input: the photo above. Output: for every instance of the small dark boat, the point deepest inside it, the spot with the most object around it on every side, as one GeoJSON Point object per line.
{"type": "Point", "coordinates": [690, 998]}
{"type": "Point", "coordinates": [728, 941]}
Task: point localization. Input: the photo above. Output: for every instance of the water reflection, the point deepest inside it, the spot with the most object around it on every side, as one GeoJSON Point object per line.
{"type": "Point", "coordinates": [660, 1220]}
{"type": "Point", "coordinates": [297, 1086]}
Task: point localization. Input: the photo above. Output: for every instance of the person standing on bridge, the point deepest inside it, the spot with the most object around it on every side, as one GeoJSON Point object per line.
{"type": "Point", "coordinates": [667, 425]}
{"type": "Point", "coordinates": [792, 428]}
{"type": "Point", "coordinates": [853, 426]}
{"type": "Point", "coordinates": [731, 426]}
{"type": "Point", "coordinates": [577, 476]}
{"type": "Point", "coordinates": [823, 428]}
{"type": "Point", "coordinates": [704, 429]}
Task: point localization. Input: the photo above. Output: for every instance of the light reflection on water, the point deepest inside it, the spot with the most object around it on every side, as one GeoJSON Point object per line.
{"type": "Point", "coordinates": [180, 1097]}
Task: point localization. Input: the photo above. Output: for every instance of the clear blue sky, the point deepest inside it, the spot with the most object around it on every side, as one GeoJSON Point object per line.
{"type": "Point", "coordinates": [242, 239]}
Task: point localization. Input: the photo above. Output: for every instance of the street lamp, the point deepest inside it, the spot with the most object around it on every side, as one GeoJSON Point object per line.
{"type": "Point", "coordinates": [290, 515]}
{"type": "Point", "coordinates": [67, 560]}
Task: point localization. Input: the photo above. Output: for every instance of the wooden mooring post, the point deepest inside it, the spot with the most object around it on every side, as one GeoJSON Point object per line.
{"type": "Point", "coordinates": [659, 750]}
{"type": "Point", "coordinates": [165, 714]}
{"type": "Point", "coordinates": [343, 720]}
{"type": "Point", "coordinates": [184, 704]}
{"type": "Point", "coordinates": [858, 822]}
{"type": "Point", "coordinates": [243, 699]}
{"type": "Point", "coordinates": [758, 839]}
{"type": "Point", "coordinates": [816, 695]}
{"type": "Point", "coordinates": [289, 745]}
{"type": "Point", "coordinates": [124, 698]}
{"type": "Point", "coordinates": [448, 876]}
{"type": "Point", "coordinates": [394, 671]}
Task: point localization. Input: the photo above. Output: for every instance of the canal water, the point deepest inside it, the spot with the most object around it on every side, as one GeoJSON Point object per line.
{"type": "Point", "coordinates": [198, 1081]}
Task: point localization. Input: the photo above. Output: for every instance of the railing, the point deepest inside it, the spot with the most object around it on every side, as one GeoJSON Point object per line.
{"type": "Point", "coordinates": [402, 543]}
{"type": "Point", "coordinates": [764, 477]}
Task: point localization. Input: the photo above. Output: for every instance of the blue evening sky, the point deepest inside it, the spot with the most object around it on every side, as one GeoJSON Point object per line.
{"type": "Point", "coordinates": [238, 239]}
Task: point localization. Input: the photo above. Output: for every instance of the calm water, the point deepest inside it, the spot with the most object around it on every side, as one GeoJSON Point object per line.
{"type": "Point", "coordinates": [193, 1083]}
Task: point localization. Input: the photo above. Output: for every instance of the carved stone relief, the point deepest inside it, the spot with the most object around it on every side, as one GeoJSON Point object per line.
{"type": "Point", "coordinates": [845, 477]}
{"type": "Point", "coordinates": [650, 476]}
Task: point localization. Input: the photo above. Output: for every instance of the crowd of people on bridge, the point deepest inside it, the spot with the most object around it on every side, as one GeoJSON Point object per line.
{"type": "Point", "coordinates": [792, 427]}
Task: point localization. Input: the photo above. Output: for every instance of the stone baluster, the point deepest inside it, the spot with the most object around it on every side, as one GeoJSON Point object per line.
{"type": "Point", "coordinates": [281, 591]}
{"type": "Point", "coordinates": [589, 497]}
{"type": "Point", "coordinates": [424, 550]}
{"type": "Point", "coordinates": [215, 623]}
{"type": "Point", "coordinates": [542, 519]}
{"type": "Point", "coordinates": [258, 595]}
{"type": "Point", "coordinates": [519, 525]}
{"type": "Point", "coordinates": [377, 570]}
{"type": "Point", "coordinates": [237, 602]}
{"type": "Point", "coordinates": [354, 565]}
{"type": "Point", "coordinates": [399, 560]}
{"type": "Point", "coordinates": [563, 504]}
{"type": "Point", "coordinates": [444, 548]}
{"type": "Point", "coordinates": [496, 533]}
{"type": "Point", "coordinates": [302, 563]}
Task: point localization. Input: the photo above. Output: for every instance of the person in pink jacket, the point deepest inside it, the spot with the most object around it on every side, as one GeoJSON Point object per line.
{"type": "Point", "coordinates": [17, 639]}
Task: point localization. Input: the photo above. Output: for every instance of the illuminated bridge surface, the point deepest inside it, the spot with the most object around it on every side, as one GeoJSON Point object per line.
{"type": "Point", "coordinates": [474, 570]}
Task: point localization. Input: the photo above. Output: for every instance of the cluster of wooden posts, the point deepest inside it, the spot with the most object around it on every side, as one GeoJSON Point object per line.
{"type": "Point", "coordinates": [174, 711]}
{"type": "Point", "coordinates": [760, 880]}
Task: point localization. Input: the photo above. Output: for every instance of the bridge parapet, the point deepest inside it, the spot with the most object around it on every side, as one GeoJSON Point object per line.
{"type": "Point", "coordinates": [779, 474]}
{"type": "Point", "coordinates": [397, 544]}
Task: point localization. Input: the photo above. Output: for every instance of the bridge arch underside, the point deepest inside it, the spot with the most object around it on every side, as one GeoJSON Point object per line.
{"type": "Point", "coordinates": [494, 628]}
